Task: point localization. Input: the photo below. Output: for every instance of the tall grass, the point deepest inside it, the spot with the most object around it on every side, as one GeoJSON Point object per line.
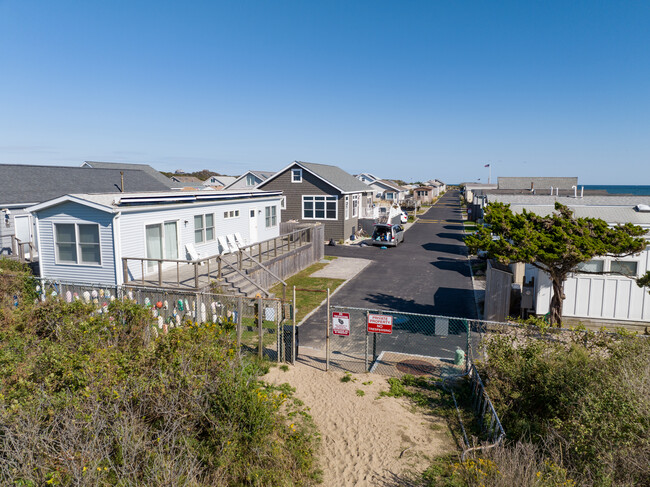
{"type": "Point", "coordinates": [91, 398]}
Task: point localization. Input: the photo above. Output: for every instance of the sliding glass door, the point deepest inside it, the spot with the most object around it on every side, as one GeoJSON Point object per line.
{"type": "Point", "coordinates": [161, 242]}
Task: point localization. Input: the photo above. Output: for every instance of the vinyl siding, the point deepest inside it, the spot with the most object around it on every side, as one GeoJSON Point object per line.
{"type": "Point", "coordinates": [132, 227]}
{"type": "Point", "coordinates": [6, 231]}
{"type": "Point", "coordinates": [242, 184]}
{"type": "Point", "coordinates": [600, 296]}
{"type": "Point", "coordinates": [312, 185]}
{"type": "Point", "coordinates": [75, 213]}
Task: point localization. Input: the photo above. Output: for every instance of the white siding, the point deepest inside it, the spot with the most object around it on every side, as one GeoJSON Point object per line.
{"type": "Point", "coordinates": [76, 213]}
{"type": "Point", "coordinates": [606, 296]}
{"type": "Point", "coordinates": [132, 227]}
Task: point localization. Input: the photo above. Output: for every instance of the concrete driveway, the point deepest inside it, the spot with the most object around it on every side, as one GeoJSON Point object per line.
{"type": "Point", "coordinates": [427, 274]}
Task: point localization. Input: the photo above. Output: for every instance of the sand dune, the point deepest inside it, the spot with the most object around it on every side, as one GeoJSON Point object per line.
{"type": "Point", "coordinates": [366, 440]}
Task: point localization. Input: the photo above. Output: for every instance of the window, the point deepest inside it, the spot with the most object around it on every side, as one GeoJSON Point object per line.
{"type": "Point", "coordinates": [271, 216]}
{"type": "Point", "coordinates": [389, 196]}
{"type": "Point", "coordinates": [250, 180]}
{"type": "Point", "coordinates": [203, 228]}
{"type": "Point", "coordinates": [296, 175]}
{"type": "Point", "coordinates": [319, 207]}
{"type": "Point", "coordinates": [355, 205]}
{"type": "Point", "coordinates": [283, 203]}
{"type": "Point", "coordinates": [231, 214]}
{"type": "Point", "coordinates": [593, 266]}
{"type": "Point", "coordinates": [198, 229]}
{"type": "Point", "coordinates": [347, 206]}
{"type": "Point", "coordinates": [77, 243]}
{"type": "Point", "coordinates": [626, 268]}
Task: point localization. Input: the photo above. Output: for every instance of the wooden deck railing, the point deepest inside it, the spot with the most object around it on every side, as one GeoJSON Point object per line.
{"type": "Point", "coordinates": [18, 249]}
{"type": "Point", "coordinates": [255, 253]}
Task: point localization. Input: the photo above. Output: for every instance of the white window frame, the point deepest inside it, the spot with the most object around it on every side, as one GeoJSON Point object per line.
{"type": "Point", "coordinates": [296, 172]}
{"type": "Point", "coordinates": [228, 214]}
{"type": "Point", "coordinates": [327, 199]}
{"type": "Point", "coordinates": [283, 203]}
{"type": "Point", "coordinates": [77, 245]}
{"type": "Point", "coordinates": [347, 206]}
{"type": "Point", "coordinates": [271, 216]}
{"type": "Point", "coordinates": [204, 229]}
{"type": "Point", "coordinates": [250, 180]}
{"type": "Point", "coordinates": [355, 205]}
{"type": "Point", "coordinates": [636, 273]}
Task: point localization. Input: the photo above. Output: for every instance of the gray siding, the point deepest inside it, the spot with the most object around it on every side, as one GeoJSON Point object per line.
{"type": "Point", "coordinates": [76, 213]}
{"type": "Point", "coordinates": [241, 184]}
{"type": "Point", "coordinates": [312, 185]}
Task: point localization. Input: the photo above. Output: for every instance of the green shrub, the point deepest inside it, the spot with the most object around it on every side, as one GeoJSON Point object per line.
{"type": "Point", "coordinates": [91, 398]}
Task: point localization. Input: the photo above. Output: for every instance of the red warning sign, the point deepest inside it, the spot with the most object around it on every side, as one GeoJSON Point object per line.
{"type": "Point", "coordinates": [380, 324]}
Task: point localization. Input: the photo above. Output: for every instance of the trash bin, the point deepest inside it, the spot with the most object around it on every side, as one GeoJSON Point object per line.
{"type": "Point", "coordinates": [287, 331]}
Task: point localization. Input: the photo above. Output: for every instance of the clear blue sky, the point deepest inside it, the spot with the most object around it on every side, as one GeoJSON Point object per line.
{"type": "Point", "coordinates": [404, 89]}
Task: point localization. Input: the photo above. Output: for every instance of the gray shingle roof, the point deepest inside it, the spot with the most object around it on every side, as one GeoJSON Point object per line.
{"type": "Point", "coordinates": [538, 182]}
{"type": "Point", "coordinates": [335, 176]}
{"type": "Point", "coordinates": [139, 167]}
{"type": "Point", "coordinates": [34, 184]}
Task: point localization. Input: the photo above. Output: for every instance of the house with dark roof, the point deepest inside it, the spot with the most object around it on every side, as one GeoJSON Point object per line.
{"type": "Point", "coordinates": [322, 193]}
{"type": "Point", "coordinates": [22, 186]}
{"type": "Point", "coordinates": [383, 189]}
{"type": "Point", "coordinates": [133, 167]}
{"type": "Point", "coordinates": [250, 179]}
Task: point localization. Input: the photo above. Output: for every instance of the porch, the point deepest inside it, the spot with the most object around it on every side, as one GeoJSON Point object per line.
{"type": "Point", "coordinates": [246, 270]}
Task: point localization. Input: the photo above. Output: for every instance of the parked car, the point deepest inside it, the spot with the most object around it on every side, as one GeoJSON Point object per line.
{"type": "Point", "coordinates": [387, 234]}
{"type": "Point", "coordinates": [404, 217]}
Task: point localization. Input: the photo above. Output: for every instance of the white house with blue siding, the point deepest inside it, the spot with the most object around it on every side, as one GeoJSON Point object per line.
{"type": "Point", "coordinates": [84, 237]}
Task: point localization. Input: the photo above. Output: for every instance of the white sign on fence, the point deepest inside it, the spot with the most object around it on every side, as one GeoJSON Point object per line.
{"type": "Point", "coordinates": [341, 323]}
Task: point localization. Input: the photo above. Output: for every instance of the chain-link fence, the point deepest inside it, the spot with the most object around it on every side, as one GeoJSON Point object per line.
{"type": "Point", "coordinates": [397, 343]}
{"type": "Point", "coordinates": [261, 326]}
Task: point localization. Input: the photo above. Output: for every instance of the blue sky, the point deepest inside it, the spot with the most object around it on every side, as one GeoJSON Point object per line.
{"type": "Point", "coordinates": [404, 89]}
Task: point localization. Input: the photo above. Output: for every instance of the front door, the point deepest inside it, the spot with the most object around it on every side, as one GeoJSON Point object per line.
{"type": "Point", "coordinates": [252, 226]}
{"type": "Point", "coordinates": [23, 228]}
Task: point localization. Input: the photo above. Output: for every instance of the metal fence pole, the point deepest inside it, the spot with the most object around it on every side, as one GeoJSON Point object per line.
{"type": "Point", "coordinates": [327, 327]}
{"type": "Point", "coordinates": [293, 334]}
{"type": "Point", "coordinates": [240, 309]}
{"type": "Point", "coordinates": [260, 331]}
{"type": "Point", "coordinates": [367, 333]}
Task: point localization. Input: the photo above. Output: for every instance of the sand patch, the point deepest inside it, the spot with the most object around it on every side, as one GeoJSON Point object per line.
{"type": "Point", "coordinates": [366, 440]}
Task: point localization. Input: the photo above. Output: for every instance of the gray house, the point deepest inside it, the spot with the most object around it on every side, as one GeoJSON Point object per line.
{"type": "Point", "coordinates": [324, 193]}
{"type": "Point", "coordinates": [250, 179]}
{"type": "Point", "coordinates": [22, 186]}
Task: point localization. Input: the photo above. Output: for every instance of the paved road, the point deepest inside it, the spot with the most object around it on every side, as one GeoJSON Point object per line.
{"type": "Point", "coordinates": [427, 274]}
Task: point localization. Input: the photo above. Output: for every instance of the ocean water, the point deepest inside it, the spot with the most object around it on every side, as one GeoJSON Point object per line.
{"type": "Point", "coordinates": [620, 189]}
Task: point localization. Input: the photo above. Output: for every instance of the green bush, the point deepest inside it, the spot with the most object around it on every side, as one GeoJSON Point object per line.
{"type": "Point", "coordinates": [588, 395]}
{"type": "Point", "coordinates": [91, 398]}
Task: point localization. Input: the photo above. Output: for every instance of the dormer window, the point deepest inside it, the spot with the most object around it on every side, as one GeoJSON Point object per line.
{"type": "Point", "coordinates": [296, 175]}
{"type": "Point", "coordinates": [250, 180]}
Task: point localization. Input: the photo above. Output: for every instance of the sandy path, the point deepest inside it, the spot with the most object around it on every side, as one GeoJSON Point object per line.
{"type": "Point", "coordinates": [366, 440]}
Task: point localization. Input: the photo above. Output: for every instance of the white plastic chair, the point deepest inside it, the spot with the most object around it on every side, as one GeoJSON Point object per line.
{"type": "Point", "coordinates": [223, 243]}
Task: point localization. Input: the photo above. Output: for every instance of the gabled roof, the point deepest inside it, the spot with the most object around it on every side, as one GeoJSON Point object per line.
{"type": "Point", "coordinates": [186, 179]}
{"type": "Point", "coordinates": [332, 175]}
{"type": "Point", "coordinates": [29, 184]}
{"type": "Point", "coordinates": [125, 165]}
{"type": "Point", "coordinates": [367, 175]}
{"type": "Point", "coordinates": [261, 175]}
{"type": "Point", "coordinates": [224, 180]}
{"type": "Point", "coordinates": [393, 184]}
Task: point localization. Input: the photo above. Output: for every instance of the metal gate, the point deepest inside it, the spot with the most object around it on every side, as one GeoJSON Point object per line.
{"type": "Point", "coordinates": [396, 343]}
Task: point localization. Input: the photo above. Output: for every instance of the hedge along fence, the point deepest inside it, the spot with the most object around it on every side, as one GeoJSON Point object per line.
{"type": "Point", "coordinates": [255, 331]}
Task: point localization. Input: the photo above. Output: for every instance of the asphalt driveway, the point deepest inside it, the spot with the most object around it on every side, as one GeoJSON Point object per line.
{"type": "Point", "coordinates": [427, 274]}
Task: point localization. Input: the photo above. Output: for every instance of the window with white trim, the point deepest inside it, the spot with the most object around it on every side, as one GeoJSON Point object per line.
{"type": "Point", "coordinates": [593, 266]}
{"type": "Point", "coordinates": [319, 207]}
{"type": "Point", "coordinates": [296, 175]}
{"type": "Point", "coordinates": [355, 205]}
{"type": "Point", "coordinates": [203, 228]}
{"type": "Point", "coordinates": [347, 206]}
{"type": "Point", "coordinates": [271, 217]}
{"type": "Point", "coordinates": [77, 243]}
{"type": "Point", "coordinates": [283, 203]}
{"type": "Point", "coordinates": [623, 267]}
{"type": "Point", "coordinates": [250, 180]}
{"type": "Point", "coordinates": [231, 214]}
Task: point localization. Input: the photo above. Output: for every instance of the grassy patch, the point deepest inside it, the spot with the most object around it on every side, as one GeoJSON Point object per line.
{"type": "Point", "coordinates": [330, 257]}
{"type": "Point", "coordinates": [469, 226]}
{"type": "Point", "coordinates": [307, 301]}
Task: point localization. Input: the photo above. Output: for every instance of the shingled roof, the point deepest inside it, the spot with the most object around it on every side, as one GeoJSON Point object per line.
{"type": "Point", "coordinates": [125, 165]}
{"type": "Point", "coordinates": [28, 184]}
